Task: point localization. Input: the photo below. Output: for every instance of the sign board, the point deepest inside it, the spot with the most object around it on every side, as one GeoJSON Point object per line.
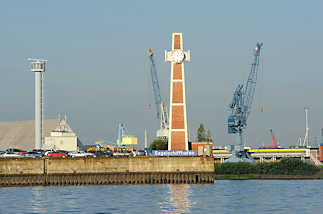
{"type": "Point", "coordinates": [174, 153]}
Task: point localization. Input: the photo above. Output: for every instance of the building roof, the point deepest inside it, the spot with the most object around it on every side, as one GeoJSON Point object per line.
{"type": "Point", "coordinates": [21, 134]}
{"type": "Point", "coordinates": [62, 129]}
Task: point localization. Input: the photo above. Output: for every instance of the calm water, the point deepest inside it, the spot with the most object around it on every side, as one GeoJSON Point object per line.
{"type": "Point", "coordinates": [251, 196]}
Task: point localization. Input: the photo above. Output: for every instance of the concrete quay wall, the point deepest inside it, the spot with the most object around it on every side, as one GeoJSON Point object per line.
{"type": "Point", "coordinates": [16, 166]}
{"type": "Point", "coordinates": [121, 170]}
{"type": "Point", "coordinates": [129, 165]}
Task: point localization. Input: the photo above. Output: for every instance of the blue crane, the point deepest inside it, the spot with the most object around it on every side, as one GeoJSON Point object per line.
{"type": "Point", "coordinates": [241, 108]}
{"type": "Point", "coordinates": [121, 132]}
{"type": "Point", "coordinates": [161, 107]}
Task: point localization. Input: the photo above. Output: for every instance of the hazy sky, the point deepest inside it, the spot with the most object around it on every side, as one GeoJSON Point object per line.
{"type": "Point", "coordinates": [98, 69]}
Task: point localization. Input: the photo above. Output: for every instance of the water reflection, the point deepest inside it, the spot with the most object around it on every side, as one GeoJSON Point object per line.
{"type": "Point", "coordinates": [178, 200]}
{"type": "Point", "coordinates": [37, 198]}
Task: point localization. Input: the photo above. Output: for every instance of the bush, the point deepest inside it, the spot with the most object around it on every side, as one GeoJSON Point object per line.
{"type": "Point", "coordinates": [286, 166]}
{"type": "Point", "coordinates": [159, 144]}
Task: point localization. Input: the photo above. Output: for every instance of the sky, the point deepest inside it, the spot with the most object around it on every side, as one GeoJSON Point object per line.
{"type": "Point", "coordinates": [98, 68]}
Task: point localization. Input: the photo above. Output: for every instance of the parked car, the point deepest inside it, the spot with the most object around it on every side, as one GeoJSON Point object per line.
{"type": "Point", "coordinates": [141, 153]}
{"type": "Point", "coordinates": [63, 151]}
{"type": "Point", "coordinates": [33, 154]}
{"type": "Point", "coordinates": [39, 151]}
{"type": "Point", "coordinates": [48, 151]}
{"type": "Point", "coordinates": [11, 155]}
{"type": "Point", "coordinates": [16, 151]}
{"type": "Point", "coordinates": [123, 153]}
{"type": "Point", "coordinates": [57, 154]}
{"type": "Point", "coordinates": [80, 154]}
{"type": "Point", "coordinates": [2, 152]}
{"type": "Point", "coordinates": [107, 153]}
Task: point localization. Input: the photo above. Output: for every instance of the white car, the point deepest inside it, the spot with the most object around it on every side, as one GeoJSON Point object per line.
{"type": "Point", "coordinates": [123, 153]}
{"type": "Point", "coordinates": [80, 154]}
{"type": "Point", "coordinates": [11, 155]}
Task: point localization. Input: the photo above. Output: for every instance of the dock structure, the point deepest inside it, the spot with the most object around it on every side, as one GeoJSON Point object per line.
{"type": "Point", "coordinates": [123, 170]}
{"type": "Point", "coordinates": [275, 154]}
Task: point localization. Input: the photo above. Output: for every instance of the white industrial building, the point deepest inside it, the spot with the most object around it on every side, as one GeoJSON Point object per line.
{"type": "Point", "coordinates": [62, 138]}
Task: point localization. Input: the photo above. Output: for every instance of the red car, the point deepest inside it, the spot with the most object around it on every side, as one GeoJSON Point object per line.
{"type": "Point", "coordinates": [57, 154]}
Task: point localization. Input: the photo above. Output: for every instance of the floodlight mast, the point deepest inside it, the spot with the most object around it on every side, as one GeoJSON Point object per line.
{"type": "Point", "coordinates": [38, 67]}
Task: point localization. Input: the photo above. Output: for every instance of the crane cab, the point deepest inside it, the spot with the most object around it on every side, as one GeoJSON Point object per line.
{"type": "Point", "coordinates": [233, 125]}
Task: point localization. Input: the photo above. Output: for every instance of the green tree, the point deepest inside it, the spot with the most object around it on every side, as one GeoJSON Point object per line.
{"type": "Point", "coordinates": [159, 144]}
{"type": "Point", "coordinates": [201, 136]}
{"type": "Point", "coordinates": [209, 136]}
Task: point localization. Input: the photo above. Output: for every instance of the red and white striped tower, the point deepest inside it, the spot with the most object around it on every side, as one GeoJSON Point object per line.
{"type": "Point", "coordinates": [178, 138]}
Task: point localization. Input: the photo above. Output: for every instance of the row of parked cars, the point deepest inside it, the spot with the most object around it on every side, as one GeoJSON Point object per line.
{"type": "Point", "coordinates": [17, 153]}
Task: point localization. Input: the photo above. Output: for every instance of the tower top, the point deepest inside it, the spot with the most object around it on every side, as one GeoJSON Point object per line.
{"type": "Point", "coordinates": [37, 65]}
{"type": "Point", "coordinates": [177, 54]}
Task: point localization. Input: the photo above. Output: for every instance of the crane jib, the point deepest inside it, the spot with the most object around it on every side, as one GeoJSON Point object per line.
{"type": "Point", "coordinates": [161, 107]}
{"type": "Point", "coordinates": [155, 85]}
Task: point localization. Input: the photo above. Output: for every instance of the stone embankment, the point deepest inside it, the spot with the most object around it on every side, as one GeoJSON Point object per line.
{"type": "Point", "coordinates": [122, 170]}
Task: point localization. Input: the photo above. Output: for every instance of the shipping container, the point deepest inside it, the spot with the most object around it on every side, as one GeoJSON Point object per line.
{"type": "Point", "coordinates": [128, 140]}
{"type": "Point", "coordinates": [203, 148]}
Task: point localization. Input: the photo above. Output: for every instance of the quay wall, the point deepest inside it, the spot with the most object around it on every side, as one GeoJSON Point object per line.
{"type": "Point", "coordinates": [119, 170]}
{"type": "Point", "coordinates": [129, 165]}
{"type": "Point", "coordinates": [16, 166]}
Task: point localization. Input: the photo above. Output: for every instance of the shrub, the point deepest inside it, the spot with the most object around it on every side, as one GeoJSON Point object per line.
{"type": "Point", "coordinates": [286, 166]}
{"type": "Point", "coordinates": [159, 144]}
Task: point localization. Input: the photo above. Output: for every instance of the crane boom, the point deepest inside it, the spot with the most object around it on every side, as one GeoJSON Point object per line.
{"type": "Point", "coordinates": [161, 107]}
{"type": "Point", "coordinates": [273, 140]}
{"type": "Point", "coordinates": [155, 83]}
{"type": "Point", "coordinates": [252, 80]}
